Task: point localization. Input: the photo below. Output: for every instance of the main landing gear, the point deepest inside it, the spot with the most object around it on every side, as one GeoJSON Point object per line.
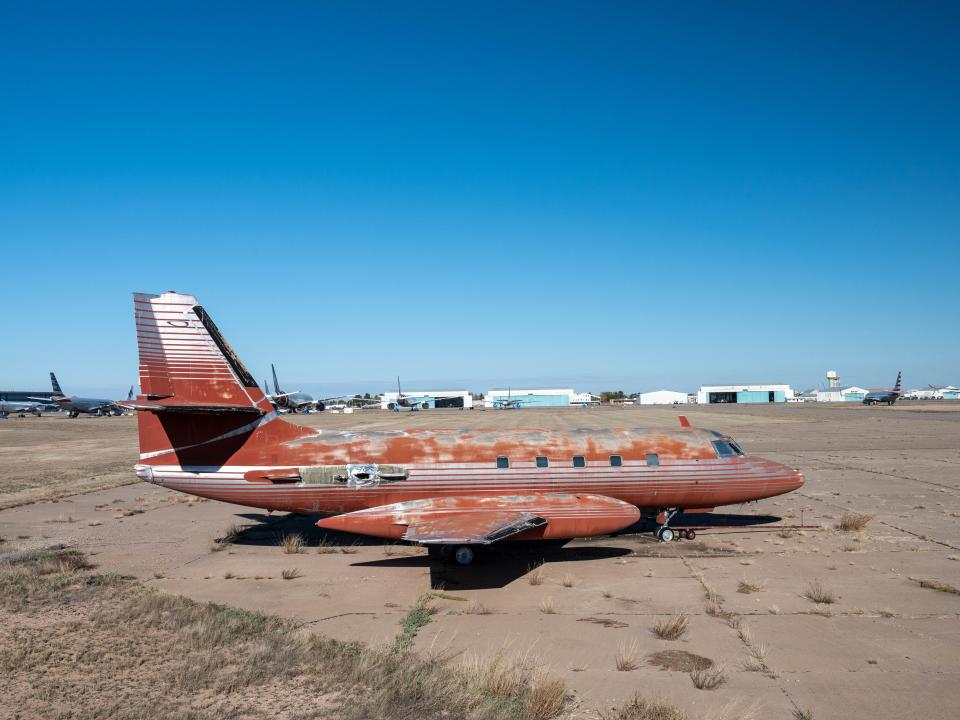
{"type": "Point", "coordinates": [460, 554]}
{"type": "Point", "coordinates": [665, 533]}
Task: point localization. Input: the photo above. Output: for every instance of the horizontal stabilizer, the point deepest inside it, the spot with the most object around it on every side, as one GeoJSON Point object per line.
{"type": "Point", "coordinates": [455, 528]}
{"type": "Point", "coordinates": [193, 408]}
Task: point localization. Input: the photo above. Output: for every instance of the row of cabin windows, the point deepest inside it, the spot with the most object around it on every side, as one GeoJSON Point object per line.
{"type": "Point", "coordinates": [579, 461]}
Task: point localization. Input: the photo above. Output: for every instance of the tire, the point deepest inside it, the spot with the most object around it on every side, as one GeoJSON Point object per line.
{"type": "Point", "coordinates": [463, 555]}
{"type": "Point", "coordinates": [691, 535]}
{"type": "Point", "coordinates": [665, 534]}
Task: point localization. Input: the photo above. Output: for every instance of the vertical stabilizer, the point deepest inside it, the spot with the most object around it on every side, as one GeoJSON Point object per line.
{"type": "Point", "coordinates": [57, 392]}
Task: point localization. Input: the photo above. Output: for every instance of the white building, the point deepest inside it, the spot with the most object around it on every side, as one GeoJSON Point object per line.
{"type": "Point", "coordinates": [662, 397]}
{"type": "Point", "coordinates": [430, 398]}
{"type": "Point", "coordinates": [761, 393]}
{"type": "Point", "coordinates": [584, 399]}
{"type": "Point", "coordinates": [529, 397]}
{"type": "Point", "coordinates": [847, 393]}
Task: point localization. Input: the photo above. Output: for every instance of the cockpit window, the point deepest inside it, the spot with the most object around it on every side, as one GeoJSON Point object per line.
{"type": "Point", "coordinates": [726, 448]}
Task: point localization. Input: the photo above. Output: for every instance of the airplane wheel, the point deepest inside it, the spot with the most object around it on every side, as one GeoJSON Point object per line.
{"type": "Point", "coordinates": [691, 535]}
{"type": "Point", "coordinates": [665, 534]}
{"type": "Point", "coordinates": [463, 555]}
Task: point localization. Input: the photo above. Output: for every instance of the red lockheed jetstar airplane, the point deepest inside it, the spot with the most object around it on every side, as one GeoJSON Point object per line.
{"type": "Point", "coordinates": [207, 429]}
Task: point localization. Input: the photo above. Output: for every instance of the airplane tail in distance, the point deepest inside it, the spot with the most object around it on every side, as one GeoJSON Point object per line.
{"type": "Point", "coordinates": [276, 385]}
{"type": "Point", "coordinates": [55, 385]}
{"type": "Point", "coordinates": [130, 393]}
{"type": "Point", "coordinates": [896, 388]}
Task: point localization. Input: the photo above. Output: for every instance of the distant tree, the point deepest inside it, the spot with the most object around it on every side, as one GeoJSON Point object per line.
{"type": "Point", "coordinates": [366, 396]}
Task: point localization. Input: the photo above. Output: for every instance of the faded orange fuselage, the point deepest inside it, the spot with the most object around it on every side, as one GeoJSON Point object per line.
{"type": "Point", "coordinates": [206, 428]}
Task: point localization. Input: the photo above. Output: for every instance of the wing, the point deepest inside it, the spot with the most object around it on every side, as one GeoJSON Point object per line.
{"type": "Point", "coordinates": [482, 520]}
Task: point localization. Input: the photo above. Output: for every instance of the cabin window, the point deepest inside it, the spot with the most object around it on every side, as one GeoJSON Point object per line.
{"type": "Point", "coordinates": [578, 461]}
{"type": "Point", "coordinates": [723, 449]}
{"type": "Point", "coordinates": [736, 448]}
{"type": "Point", "coordinates": [616, 460]}
{"type": "Point", "coordinates": [503, 462]}
{"type": "Point", "coordinates": [653, 459]}
{"type": "Point", "coordinates": [542, 461]}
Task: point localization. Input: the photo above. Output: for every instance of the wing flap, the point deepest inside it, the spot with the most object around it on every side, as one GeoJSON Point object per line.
{"type": "Point", "coordinates": [475, 528]}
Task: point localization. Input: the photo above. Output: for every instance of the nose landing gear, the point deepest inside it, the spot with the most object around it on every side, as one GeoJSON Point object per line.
{"type": "Point", "coordinates": [665, 533]}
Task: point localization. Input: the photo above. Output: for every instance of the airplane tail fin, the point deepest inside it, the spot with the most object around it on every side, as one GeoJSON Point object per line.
{"type": "Point", "coordinates": [896, 388]}
{"type": "Point", "coordinates": [198, 399]}
{"type": "Point", "coordinates": [55, 386]}
{"type": "Point", "coordinates": [276, 385]}
{"type": "Point", "coordinates": [130, 393]}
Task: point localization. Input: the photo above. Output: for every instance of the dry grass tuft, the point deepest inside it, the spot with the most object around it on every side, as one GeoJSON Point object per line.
{"type": "Point", "coordinates": [679, 661]}
{"type": "Point", "coordinates": [292, 544]}
{"type": "Point", "coordinates": [746, 587]}
{"type": "Point", "coordinates": [714, 609]}
{"type": "Point", "coordinates": [854, 521]}
{"type": "Point", "coordinates": [774, 609]}
{"type": "Point", "coordinates": [671, 628]}
{"type": "Point", "coordinates": [799, 714]}
{"type": "Point", "coordinates": [115, 628]}
{"type": "Point", "coordinates": [606, 593]}
{"type": "Point", "coordinates": [938, 585]}
{"type": "Point", "coordinates": [708, 679]}
{"type": "Point", "coordinates": [233, 533]}
{"type": "Point", "coordinates": [535, 575]}
{"type": "Point", "coordinates": [228, 575]}
{"type": "Point", "coordinates": [626, 657]}
{"type": "Point", "coordinates": [62, 519]}
{"type": "Point", "coordinates": [290, 574]}
{"type": "Point", "coordinates": [888, 613]}
{"type": "Point", "coordinates": [476, 608]}
{"type": "Point", "coordinates": [785, 533]}
{"type": "Point", "coordinates": [640, 708]}
{"type": "Point", "coordinates": [548, 607]}
{"type": "Point", "coordinates": [817, 593]}
{"type": "Point", "coordinates": [568, 581]}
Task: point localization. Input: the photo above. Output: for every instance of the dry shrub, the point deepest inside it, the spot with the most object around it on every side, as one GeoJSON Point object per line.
{"type": "Point", "coordinates": [774, 609]}
{"type": "Point", "coordinates": [708, 679]}
{"type": "Point", "coordinates": [568, 581]}
{"type": "Point", "coordinates": [746, 587]}
{"type": "Point", "coordinates": [854, 521]}
{"type": "Point", "coordinates": [671, 628]}
{"type": "Point", "coordinates": [626, 657]}
{"type": "Point", "coordinates": [606, 593]}
{"type": "Point", "coordinates": [888, 613]}
{"type": "Point", "coordinates": [714, 609]}
{"type": "Point", "coordinates": [785, 533]}
{"type": "Point", "coordinates": [535, 575]}
{"type": "Point", "coordinates": [62, 519]}
{"type": "Point", "coordinates": [228, 575]}
{"type": "Point", "coordinates": [816, 592]}
{"type": "Point", "coordinates": [639, 708]}
{"type": "Point", "coordinates": [799, 714]}
{"type": "Point", "coordinates": [292, 543]}
{"type": "Point", "coordinates": [290, 573]}
{"type": "Point", "coordinates": [548, 607]}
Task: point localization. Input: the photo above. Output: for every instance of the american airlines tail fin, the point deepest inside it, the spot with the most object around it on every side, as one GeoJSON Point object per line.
{"type": "Point", "coordinates": [896, 388]}
{"type": "Point", "coordinates": [276, 385]}
{"type": "Point", "coordinates": [57, 392]}
{"type": "Point", "coordinates": [199, 404]}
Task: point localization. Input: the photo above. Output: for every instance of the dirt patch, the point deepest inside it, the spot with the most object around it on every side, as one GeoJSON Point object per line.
{"type": "Point", "coordinates": [679, 661]}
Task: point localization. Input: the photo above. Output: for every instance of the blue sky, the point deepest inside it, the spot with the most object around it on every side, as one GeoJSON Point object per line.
{"type": "Point", "coordinates": [608, 195]}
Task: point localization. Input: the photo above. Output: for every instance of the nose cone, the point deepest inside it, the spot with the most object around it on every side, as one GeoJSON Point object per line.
{"type": "Point", "coordinates": [779, 478]}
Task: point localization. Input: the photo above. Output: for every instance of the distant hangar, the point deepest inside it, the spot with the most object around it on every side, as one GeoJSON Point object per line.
{"type": "Point", "coordinates": [753, 394]}
{"type": "Point", "coordinates": [532, 397]}
{"type": "Point", "coordinates": [662, 397]}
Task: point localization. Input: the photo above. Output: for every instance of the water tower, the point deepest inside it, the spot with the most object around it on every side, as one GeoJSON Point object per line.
{"type": "Point", "coordinates": [833, 380]}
